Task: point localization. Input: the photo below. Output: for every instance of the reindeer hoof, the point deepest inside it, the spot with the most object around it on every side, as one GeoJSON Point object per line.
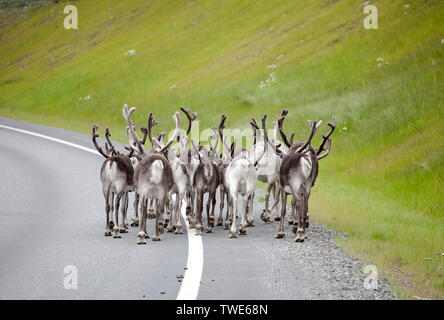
{"type": "Point", "coordinates": [290, 222]}
{"type": "Point", "coordinates": [219, 222]}
{"type": "Point", "coordinates": [198, 230]}
{"type": "Point", "coordinates": [295, 228]}
{"type": "Point", "coordinates": [141, 238]}
{"type": "Point", "coordinates": [161, 229]}
{"type": "Point", "coordinates": [192, 224]}
{"type": "Point", "coordinates": [307, 224]}
{"type": "Point", "coordinates": [116, 234]}
{"type": "Point", "coordinates": [188, 211]}
{"type": "Point", "coordinates": [111, 224]}
{"type": "Point", "coordinates": [209, 229]}
{"type": "Point", "coordinates": [123, 230]}
{"type": "Point", "coordinates": [265, 216]}
{"type": "Point", "coordinates": [108, 233]}
{"type": "Point", "coordinates": [156, 238]}
{"type": "Point", "coordinates": [233, 234]}
{"type": "Point", "coordinates": [211, 221]}
{"type": "Point", "coordinates": [280, 235]}
{"type": "Point", "coordinates": [277, 218]}
{"type": "Point", "coordinates": [243, 230]}
{"type": "Point", "coordinates": [166, 222]}
{"type": "Point", "coordinates": [170, 229]}
{"type": "Point", "coordinates": [250, 222]}
{"type": "Point", "coordinates": [300, 235]}
{"type": "Point", "coordinates": [134, 222]}
{"type": "Point", "coordinates": [178, 229]}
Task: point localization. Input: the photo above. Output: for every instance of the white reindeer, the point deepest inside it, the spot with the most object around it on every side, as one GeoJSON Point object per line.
{"type": "Point", "coordinates": [240, 178]}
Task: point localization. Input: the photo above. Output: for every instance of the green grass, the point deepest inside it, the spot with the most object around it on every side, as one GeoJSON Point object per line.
{"type": "Point", "coordinates": [382, 183]}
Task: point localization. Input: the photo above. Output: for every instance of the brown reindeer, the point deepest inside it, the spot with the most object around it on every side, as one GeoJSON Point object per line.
{"type": "Point", "coordinates": [116, 175]}
{"type": "Point", "coordinates": [153, 178]}
{"type": "Point", "coordinates": [205, 180]}
{"type": "Point", "coordinates": [298, 174]}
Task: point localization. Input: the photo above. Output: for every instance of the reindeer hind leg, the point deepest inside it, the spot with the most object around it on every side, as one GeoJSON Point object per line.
{"type": "Point", "coordinates": [116, 233]}
{"type": "Point", "coordinates": [281, 232]}
{"type": "Point", "coordinates": [107, 210]}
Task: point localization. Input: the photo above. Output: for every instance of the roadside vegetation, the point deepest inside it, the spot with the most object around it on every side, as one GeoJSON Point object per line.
{"type": "Point", "coordinates": [382, 183]}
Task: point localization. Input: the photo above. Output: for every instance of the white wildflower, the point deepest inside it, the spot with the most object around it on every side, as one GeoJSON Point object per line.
{"type": "Point", "coordinates": [130, 52]}
{"type": "Point", "coordinates": [272, 66]}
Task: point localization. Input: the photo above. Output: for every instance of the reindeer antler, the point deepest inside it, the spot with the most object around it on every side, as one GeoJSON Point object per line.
{"type": "Point", "coordinates": [196, 149]}
{"type": "Point", "coordinates": [131, 150]}
{"type": "Point", "coordinates": [216, 137]}
{"type": "Point", "coordinates": [176, 117]}
{"type": "Point", "coordinates": [94, 137]}
{"type": "Point", "coordinates": [151, 124]}
{"type": "Point", "coordinates": [264, 120]}
{"type": "Point", "coordinates": [222, 126]}
{"type": "Point", "coordinates": [191, 117]}
{"type": "Point", "coordinates": [310, 136]}
{"type": "Point", "coordinates": [127, 115]}
{"type": "Point", "coordinates": [111, 146]}
{"type": "Point", "coordinates": [256, 131]}
{"type": "Point", "coordinates": [281, 130]}
{"type": "Point", "coordinates": [227, 150]}
{"type": "Point", "coordinates": [326, 139]}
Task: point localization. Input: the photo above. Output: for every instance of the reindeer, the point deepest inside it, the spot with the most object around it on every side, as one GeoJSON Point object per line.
{"type": "Point", "coordinates": [181, 183]}
{"type": "Point", "coordinates": [180, 188]}
{"type": "Point", "coordinates": [268, 166]}
{"type": "Point", "coordinates": [224, 187]}
{"type": "Point", "coordinates": [206, 180]}
{"type": "Point", "coordinates": [188, 157]}
{"type": "Point", "coordinates": [153, 177]}
{"type": "Point", "coordinates": [241, 177]}
{"type": "Point", "coordinates": [298, 174]}
{"type": "Point", "coordinates": [135, 158]}
{"type": "Point", "coordinates": [116, 175]}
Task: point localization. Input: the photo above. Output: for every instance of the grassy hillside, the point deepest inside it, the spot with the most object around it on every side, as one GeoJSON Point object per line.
{"type": "Point", "coordinates": [382, 183]}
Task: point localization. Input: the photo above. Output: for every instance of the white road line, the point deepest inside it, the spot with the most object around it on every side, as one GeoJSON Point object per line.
{"type": "Point", "coordinates": [74, 145]}
{"type": "Point", "coordinates": [191, 281]}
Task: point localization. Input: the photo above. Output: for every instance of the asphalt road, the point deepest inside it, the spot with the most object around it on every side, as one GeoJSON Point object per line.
{"type": "Point", "coordinates": [52, 215]}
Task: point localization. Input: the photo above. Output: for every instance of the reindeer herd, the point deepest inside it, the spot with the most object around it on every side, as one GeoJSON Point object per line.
{"type": "Point", "coordinates": [164, 179]}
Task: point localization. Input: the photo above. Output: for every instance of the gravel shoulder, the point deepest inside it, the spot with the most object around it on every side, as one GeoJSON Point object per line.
{"type": "Point", "coordinates": [332, 273]}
